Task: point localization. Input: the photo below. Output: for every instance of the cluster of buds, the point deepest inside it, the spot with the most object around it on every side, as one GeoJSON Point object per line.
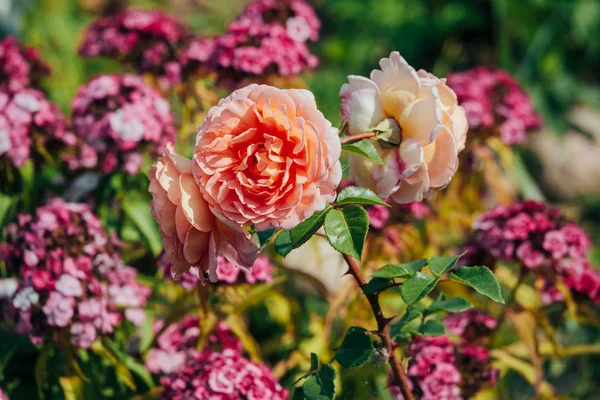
{"type": "Point", "coordinates": [20, 67]}
{"type": "Point", "coordinates": [227, 272]}
{"type": "Point", "coordinates": [119, 119]}
{"type": "Point", "coordinates": [148, 40]}
{"type": "Point", "coordinates": [70, 282]}
{"type": "Point", "coordinates": [495, 104]}
{"type": "Point", "coordinates": [542, 240]}
{"type": "Point", "coordinates": [452, 368]}
{"type": "Point", "coordinates": [269, 37]}
{"type": "Point", "coordinates": [179, 340]}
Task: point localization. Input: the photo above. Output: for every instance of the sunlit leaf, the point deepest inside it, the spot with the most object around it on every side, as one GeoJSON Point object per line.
{"type": "Point", "coordinates": [347, 229]}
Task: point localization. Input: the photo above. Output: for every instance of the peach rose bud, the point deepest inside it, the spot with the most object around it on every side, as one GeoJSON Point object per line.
{"type": "Point", "coordinates": [192, 234]}
{"type": "Point", "coordinates": [424, 127]}
{"type": "Point", "coordinates": [267, 157]}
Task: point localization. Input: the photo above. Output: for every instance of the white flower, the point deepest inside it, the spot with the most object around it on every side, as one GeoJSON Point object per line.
{"type": "Point", "coordinates": [27, 101]}
{"type": "Point", "coordinates": [129, 129]}
{"type": "Point", "coordinates": [5, 142]}
{"type": "Point", "coordinates": [26, 298]}
{"type": "Point", "coordinates": [69, 286]}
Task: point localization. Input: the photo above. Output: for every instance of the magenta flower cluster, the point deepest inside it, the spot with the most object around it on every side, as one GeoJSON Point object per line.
{"type": "Point", "coordinates": [541, 239]}
{"type": "Point", "coordinates": [452, 369]}
{"type": "Point", "coordinates": [146, 39]}
{"type": "Point", "coordinates": [432, 371]}
{"type": "Point", "coordinates": [269, 36]}
{"type": "Point", "coordinates": [470, 325]}
{"type": "Point", "coordinates": [227, 272]}
{"type": "Point", "coordinates": [20, 67]}
{"type": "Point", "coordinates": [119, 118]}
{"type": "Point", "coordinates": [222, 375]}
{"type": "Point", "coordinates": [71, 280]}
{"type": "Point", "coordinates": [179, 340]}
{"type": "Point", "coordinates": [27, 121]}
{"type": "Point", "coordinates": [495, 102]}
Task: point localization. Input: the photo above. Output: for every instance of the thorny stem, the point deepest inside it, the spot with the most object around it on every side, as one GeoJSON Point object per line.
{"type": "Point", "coordinates": [383, 329]}
{"type": "Point", "coordinates": [360, 136]}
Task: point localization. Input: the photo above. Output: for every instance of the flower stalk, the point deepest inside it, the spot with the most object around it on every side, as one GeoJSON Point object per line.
{"type": "Point", "coordinates": [383, 329]}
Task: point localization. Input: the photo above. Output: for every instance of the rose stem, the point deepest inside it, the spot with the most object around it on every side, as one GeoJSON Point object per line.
{"type": "Point", "coordinates": [360, 136]}
{"type": "Point", "coordinates": [383, 329]}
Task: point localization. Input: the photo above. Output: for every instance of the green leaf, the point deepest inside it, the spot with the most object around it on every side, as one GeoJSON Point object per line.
{"type": "Point", "coordinates": [402, 337]}
{"type": "Point", "coordinates": [319, 386]}
{"type": "Point", "coordinates": [411, 314]}
{"type": "Point", "coordinates": [140, 214]}
{"type": "Point", "coordinates": [72, 387]}
{"type": "Point", "coordinates": [121, 369]}
{"type": "Point", "coordinates": [307, 228]}
{"type": "Point", "coordinates": [264, 237]}
{"type": "Point", "coordinates": [432, 327]}
{"type": "Point", "coordinates": [283, 243]}
{"type": "Point", "coordinates": [454, 304]}
{"type": "Point", "coordinates": [359, 195]}
{"type": "Point", "coordinates": [439, 265]}
{"type": "Point", "coordinates": [376, 285]}
{"type": "Point", "coordinates": [327, 376]}
{"type": "Point", "coordinates": [347, 229]}
{"type": "Point", "coordinates": [355, 349]}
{"type": "Point", "coordinates": [481, 279]}
{"type": "Point", "coordinates": [400, 270]}
{"type": "Point", "coordinates": [364, 148]}
{"type": "Point", "coordinates": [416, 287]}
{"type": "Point", "coordinates": [132, 364]}
{"type": "Point", "coordinates": [314, 362]}
{"type": "Point", "coordinates": [40, 368]}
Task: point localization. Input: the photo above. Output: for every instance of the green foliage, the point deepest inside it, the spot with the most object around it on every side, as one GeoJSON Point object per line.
{"type": "Point", "coordinates": [283, 243]}
{"type": "Point", "coordinates": [439, 265]}
{"type": "Point", "coordinates": [363, 148]}
{"type": "Point", "coordinates": [416, 287]}
{"type": "Point", "coordinates": [376, 285]}
{"type": "Point", "coordinates": [454, 304]}
{"type": "Point", "coordinates": [404, 271]}
{"type": "Point", "coordinates": [432, 327]}
{"type": "Point", "coordinates": [320, 382]}
{"type": "Point", "coordinates": [355, 349]}
{"type": "Point", "coordinates": [358, 195]}
{"type": "Point", "coordinates": [307, 228]}
{"type": "Point", "coordinates": [347, 229]}
{"type": "Point", "coordinates": [481, 279]}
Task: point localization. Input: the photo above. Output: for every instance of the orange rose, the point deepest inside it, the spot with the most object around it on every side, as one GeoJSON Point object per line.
{"type": "Point", "coordinates": [267, 157]}
{"type": "Point", "coordinates": [192, 234]}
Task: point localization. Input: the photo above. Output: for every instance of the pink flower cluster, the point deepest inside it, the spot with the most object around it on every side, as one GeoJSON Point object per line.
{"type": "Point", "coordinates": [269, 36]}
{"type": "Point", "coordinates": [227, 272]}
{"type": "Point", "coordinates": [432, 370]}
{"type": "Point", "coordinates": [27, 120]}
{"type": "Point", "coordinates": [495, 103]}
{"type": "Point", "coordinates": [119, 118]}
{"type": "Point", "coordinates": [223, 375]}
{"type": "Point", "coordinates": [178, 341]}
{"type": "Point", "coordinates": [20, 67]}
{"type": "Point", "coordinates": [148, 40]}
{"type": "Point", "coordinates": [471, 325]}
{"type": "Point", "coordinates": [542, 240]}
{"type": "Point", "coordinates": [443, 369]}
{"type": "Point", "coordinates": [71, 280]}
{"type": "Point", "coordinates": [3, 396]}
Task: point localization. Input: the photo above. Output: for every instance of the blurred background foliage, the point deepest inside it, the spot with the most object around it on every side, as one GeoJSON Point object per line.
{"type": "Point", "coordinates": [551, 46]}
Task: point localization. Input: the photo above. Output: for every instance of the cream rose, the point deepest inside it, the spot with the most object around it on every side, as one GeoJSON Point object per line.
{"type": "Point", "coordinates": [426, 129]}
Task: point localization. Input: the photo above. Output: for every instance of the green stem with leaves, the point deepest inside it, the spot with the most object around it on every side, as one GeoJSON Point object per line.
{"type": "Point", "coordinates": [383, 329]}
